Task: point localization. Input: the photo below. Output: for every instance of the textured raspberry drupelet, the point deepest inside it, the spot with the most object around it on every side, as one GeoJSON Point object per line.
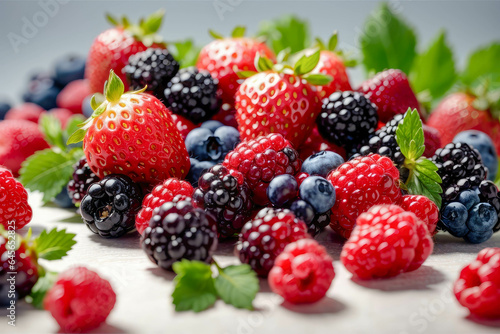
{"type": "Point", "coordinates": [302, 273]}
{"type": "Point", "coordinates": [260, 160]}
{"type": "Point", "coordinates": [263, 238]}
{"type": "Point", "coordinates": [13, 201]}
{"type": "Point", "coordinates": [478, 287]}
{"type": "Point", "coordinates": [178, 230]}
{"type": "Point", "coordinates": [80, 300]}
{"type": "Point", "coordinates": [359, 184]}
{"type": "Point", "coordinates": [425, 209]}
{"type": "Point", "coordinates": [83, 177]}
{"type": "Point", "coordinates": [220, 194]}
{"type": "Point", "coordinates": [163, 192]}
{"type": "Point", "coordinates": [387, 241]}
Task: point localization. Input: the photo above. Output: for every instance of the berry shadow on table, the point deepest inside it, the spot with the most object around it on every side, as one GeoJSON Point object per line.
{"type": "Point", "coordinates": [484, 322]}
{"type": "Point", "coordinates": [324, 306]}
{"type": "Point", "coordinates": [130, 240]}
{"type": "Point", "coordinates": [446, 244]}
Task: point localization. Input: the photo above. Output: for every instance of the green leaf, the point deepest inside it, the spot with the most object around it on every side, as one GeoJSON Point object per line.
{"type": "Point", "coordinates": [318, 79]}
{"type": "Point", "coordinates": [237, 285]}
{"type": "Point", "coordinates": [238, 31]}
{"type": "Point", "coordinates": [185, 52]}
{"type": "Point", "coordinates": [54, 245]}
{"type": "Point", "coordinates": [72, 125]}
{"type": "Point", "coordinates": [483, 62]}
{"type": "Point", "coordinates": [286, 32]}
{"type": "Point", "coordinates": [112, 20]}
{"type": "Point", "coordinates": [48, 171]}
{"type": "Point", "coordinates": [52, 130]}
{"type": "Point", "coordinates": [306, 63]}
{"type": "Point", "coordinates": [40, 289]}
{"type": "Point", "coordinates": [194, 286]}
{"type": "Point", "coordinates": [96, 100]}
{"type": "Point", "coordinates": [76, 137]}
{"type": "Point", "coordinates": [332, 42]}
{"type": "Point", "coordinates": [434, 70]}
{"type": "Point", "coordinates": [215, 35]}
{"type": "Point", "coordinates": [114, 88]}
{"type": "Point", "coordinates": [152, 23]}
{"type": "Point", "coordinates": [424, 180]}
{"type": "Point", "coordinates": [410, 135]}
{"type": "Point", "coordinates": [387, 41]}
{"type": "Point", "coordinates": [245, 74]}
{"type": "Point", "coordinates": [263, 63]}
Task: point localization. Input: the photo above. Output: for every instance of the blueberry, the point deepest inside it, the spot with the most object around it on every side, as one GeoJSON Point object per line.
{"type": "Point", "coordinates": [4, 107]}
{"type": "Point", "coordinates": [303, 211]}
{"type": "Point", "coordinates": [43, 91]}
{"type": "Point", "coordinates": [469, 198]}
{"type": "Point", "coordinates": [454, 217]}
{"type": "Point", "coordinates": [69, 68]}
{"type": "Point", "coordinates": [322, 163]}
{"type": "Point", "coordinates": [198, 168]}
{"type": "Point", "coordinates": [211, 125]}
{"type": "Point", "coordinates": [482, 217]}
{"type": "Point", "coordinates": [478, 237]}
{"type": "Point", "coordinates": [281, 189]}
{"type": "Point", "coordinates": [63, 200]}
{"type": "Point", "coordinates": [203, 145]}
{"type": "Point", "coordinates": [229, 136]}
{"type": "Point", "coordinates": [86, 108]}
{"type": "Point", "coordinates": [483, 143]}
{"type": "Point", "coordinates": [318, 192]}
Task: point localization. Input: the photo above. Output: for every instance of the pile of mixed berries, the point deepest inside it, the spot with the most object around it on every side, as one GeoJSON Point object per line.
{"type": "Point", "coordinates": [263, 152]}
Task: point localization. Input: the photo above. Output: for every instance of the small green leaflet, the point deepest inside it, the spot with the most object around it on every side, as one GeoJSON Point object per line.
{"type": "Point", "coordinates": [52, 130]}
{"type": "Point", "coordinates": [237, 285]}
{"type": "Point", "coordinates": [215, 34]}
{"type": "Point", "coordinates": [245, 74]}
{"type": "Point", "coordinates": [54, 245]}
{"type": "Point", "coordinates": [318, 79]}
{"type": "Point", "coordinates": [286, 32]}
{"type": "Point", "coordinates": [484, 62]}
{"type": "Point", "coordinates": [238, 31]}
{"type": "Point", "coordinates": [306, 63]}
{"type": "Point", "coordinates": [410, 135]}
{"type": "Point", "coordinates": [332, 42]}
{"type": "Point", "coordinates": [185, 52]}
{"type": "Point", "coordinates": [263, 64]}
{"type": "Point", "coordinates": [40, 289]}
{"type": "Point", "coordinates": [114, 87]}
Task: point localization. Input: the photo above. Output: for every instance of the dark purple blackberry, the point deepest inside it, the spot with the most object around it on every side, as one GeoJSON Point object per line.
{"type": "Point", "coordinates": [193, 94]}
{"type": "Point", "coordinates": [316, 222]}
{"type": "Point", "coordinates": [154, 68]}
{"type": "Point", "coordinates": [220, 194]}
{"type": "Point", "coordinates": [488, 192]}
{"type": "Point", "coordinates": [179, 230]}
{"type": "Point", "coordinates": [347, 118]}
{"type": "Point", "coordinates": [83, 177]}
{"type": "Point", "coordinates": [110, 206]}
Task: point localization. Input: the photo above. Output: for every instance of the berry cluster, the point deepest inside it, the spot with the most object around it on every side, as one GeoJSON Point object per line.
{"type": "Point", "coordinates": [82, 178]}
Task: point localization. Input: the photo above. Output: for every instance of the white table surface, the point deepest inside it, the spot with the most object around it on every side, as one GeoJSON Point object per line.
{"type": "Point", "coordinates": [417, 302]}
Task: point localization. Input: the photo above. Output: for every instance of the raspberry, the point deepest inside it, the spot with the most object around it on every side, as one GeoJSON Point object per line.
{"type": "Point", "coordinates": [83, 177]}
{"type": "Point", "coordinates": [13, 201]}
{"type": "Point", "coordinates": [178, 230]}
{"type": "Point", "coordinates": [260, 160]}
{"type": "Point", "coordinates": [263, 238]}
{"type": "Point", "coordinates": [80, 300]}
{"type": "Point", "coordinates": [163, 192]}
{"type": "Point", "coordinates": [425, 209]}
{"type": "Point", "coordinates": [386, 241]}
{"type": "Point", "coordinates": [478, 286]}
{"type": "Point", "coordinates": [221, 195]}
{"type": "Point", "coordinates": [302, 273]}
{"type": "Point", "coordinates": [359, 184]}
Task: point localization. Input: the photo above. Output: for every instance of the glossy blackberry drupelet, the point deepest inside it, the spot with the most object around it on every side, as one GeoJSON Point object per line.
{"type": "Point", "coordinates": [153, 68]}
{"type": "Point", "coordinates": [110, 206]}
{"type": "Point", "coordinates": [81, 180]}
{"type": "Point", "coordinates": [223, 196]}
{"type": "Point", "coordinates": [460, 167]}
{"type": "Point", "coordinates": [347, 118]}
{"type": "Point", "coordinates": [179, 230]}
{"type": "Point", "coordinates": [193, 94]}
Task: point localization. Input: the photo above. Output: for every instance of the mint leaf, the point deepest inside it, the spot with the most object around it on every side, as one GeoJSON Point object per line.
{"type": "Point", "coordinates": [387, 41]}
{"type": "Point", "coordinates": [286, 32]}
{"type": "Point", "coordinates": [434, 70]}
{"type": "Point", "coordinates": [410, 135]}
{"type": "Point", "coordinates": [424, 180]}
{"type": "Point", "coordinates": [185, 52]}
{"type": "Point", "coordinates": [237, 285]}
{"type": "Point", "coordinates": [306, 63]}
{"type": "Point", "coordinates": [54, 245]}
{"type": "Point", "coordinates": [483, 62]}
{"type": "Point", "coordinates": [194, 286]}
{"type": "Point", "coordinates": [52, 130]}
{"type": "Point", "coordinates": [40, 289]}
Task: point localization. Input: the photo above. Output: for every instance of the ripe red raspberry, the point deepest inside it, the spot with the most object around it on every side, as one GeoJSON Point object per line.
{"type": "Point", "coordinates": [386, 241]}
{"type": "Point", "coordinates": [425, 209]}
{"type": "Point", "coordinates": [80, 300]}
{"type": "Point", "coordinates": [302, 273]}
{"type": "Point", "coordinates": [13, 201]}
{"type": "Point", "coordinates": [359, 184]}
{"type": "Point", "coordinates": [163, 192]}
{"type": "Point", "coordinates": [260, 160]}
{"type": "Point", "coordinates": [26, 111]}
{"type": "Point", "coordinates": [478, 287]}
{"type": "Point", "coordinates": [264, 237]}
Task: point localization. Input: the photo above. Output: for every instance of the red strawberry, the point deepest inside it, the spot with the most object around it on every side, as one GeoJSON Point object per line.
{"type": "Point", "coordinates": [113, 47]}
{"type": "Point", "coordinates": [63, 115]}
{"type": "Point", "coordinates": [224, 56]}
{"type": "Point", "coordinates": [432, 140]}
{"type": "Point", "coordinates": [183, 125]}
{"type": "Point", "coordinates": [72, 96]}
{"type": "Point", "coordinates": [227, 116]}
{"type": "Point", "coordinates": [26, 111]}
{"type": "Point", "coordinates": [133, 134]}
{"type": "Point", "coordinates": [391, 93]}
{"type": "Point", "coordinates": [456, 113]}
{"type": "Point", "coordinates": [331, 64]}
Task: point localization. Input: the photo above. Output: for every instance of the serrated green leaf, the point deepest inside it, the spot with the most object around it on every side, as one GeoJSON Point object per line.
{"type": "Point", "coordinates": [52, 130]}
{"type": "Point", "coordinates": [54, 245]}
{"type": "Point", "coordinates": [387, 41]}
{"type": "Point", "coordinates": [434, 70]}
{"type": "Point", "coordinates": [484, 62]}
{"type": "Point", "coordinates": [194, 286]}
{"type": "Point", "coordinates": [185, 52]}
{"type": "Point", "coordinates": [428, 168]}
{"type": "Point", "coordinates": [215, 35]}
{"type": "Point", "coordinates": [286, 32]}
{"type": "Point", "coordinates": [318, 79]}
{"type": "Point", "coordinates": [422, 181]}
{"type": "Point", "coordinates": [332, 42]}
{"type": "Point", "coordinates": [410, 135]}
{"type": "Point", "coordinates": [238, 31]}
{"type": "Point", "coordinates": [40, 289]}
{"type": "Point", "coordinates": [263, 63]}
{"type": "Point", "coordinates": [306, 63]}
{"type": "Point", "coordinates": [237, 285]}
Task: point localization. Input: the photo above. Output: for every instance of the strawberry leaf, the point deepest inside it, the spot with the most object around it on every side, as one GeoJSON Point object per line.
{"type": "Point", "coordinates": [245, 74]}
{"type": "Point", "coordinates": [238, 31]}
{"type": "Point", "coordinates": [286, 32]}
{"type": "Point", "coordinates": [52, 130]}
{"type": "Point", "coordinates": [332, 42]}
{"type": "Point", "coordinates": [54, 245]}
{"type": "Point", "coordinates": [215, 35]}
{"type": "Point", "coordinates": [306, 63]}
{"type": "Point", "coordinates": [484, 62]}
{"type": "Point", "coordinates": [263, 63]}
{"type": "Point", "coordinates": [185, 52]}
{"type": "Point", "coordinates": [237, 285]}
{"type": "Point", "coordinates": [153, 22]}
{"type": "Point", "coordinates": [114, 88]}
{"type": "Point", "coordinates": [318, 79]}
{"type": "Point", "coordinates": [40, 289]}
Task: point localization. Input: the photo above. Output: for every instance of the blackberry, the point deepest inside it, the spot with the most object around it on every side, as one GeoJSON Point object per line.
{"type": "Point", "coordinates": [488, 192]}
{"type": "Point", "coordinates": [179, 230]}
{"type": "Point", "coordinates": [221, 195]}
{"type": "Point", "coordinates": [110, 206]}
{"type": "Point", "coordinates": [154, 68]}
{"type": "Point", "coordinates": [347, 118]}
{"type": "Point", "coordinates": [316, 222]}
{"type": "Point", "coordinates": [193, 94]}
{"type": "Point", "coordinates": [81, 180]}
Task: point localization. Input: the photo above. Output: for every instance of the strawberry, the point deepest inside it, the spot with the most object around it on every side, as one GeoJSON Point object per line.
{"type": "Point", "coordinates": [72, 96]}
{"type": "Point", "coordinates": [62, 114]}
{"type": "Point", "coordinates": [26, 111]}
{"type": "Point", "coordinates": [113, 47]}
{"type": "Point", "coordinates": [132, 134]}
{"type": "Point", "coordinates": [224, 56]}
{"type": "Point", "coordinates": [183, 125]}
{"type": "Point", "coordinates": [457, 113]}
{"type": "Point", "coordinates": [280, 100]}
{"type": "Point", "coordinates": [391, 93]}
